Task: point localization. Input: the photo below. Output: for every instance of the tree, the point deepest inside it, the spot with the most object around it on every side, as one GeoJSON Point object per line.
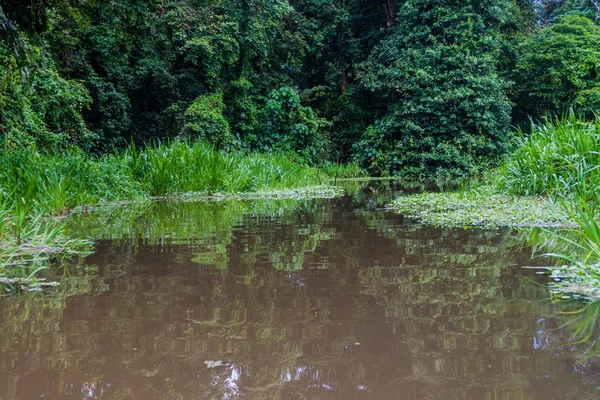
{"type": "Point", "coordinates": [37, 104]}
{"type": "Point", "coordinates": [340, 35]}
{"type": "Point", "coordinates": [291, 127]}
{"type": "Point", "coordinates": [272, 49]}
{"type": "Point", "coordinates": [559, 69]}
{"type": "Point", "coordinates": [443, 113]}
{"type": "Point", "coordinates": [390, 12]}
{"type": "Point", "coordinates": [587, 8]}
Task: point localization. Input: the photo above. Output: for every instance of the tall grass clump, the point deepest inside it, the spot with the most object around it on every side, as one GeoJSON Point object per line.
{"type": "Point", "coordinates": [53, 183]}
{"type": "Point", "coordinates": [557, 157]}
{"type": "Point", "coordinates": [182, 167]}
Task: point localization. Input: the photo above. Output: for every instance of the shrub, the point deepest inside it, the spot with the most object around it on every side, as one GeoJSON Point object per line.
{"type": "Point", "coordinates": [204, 120]}
{"type": "Point", "coordinates": [291, 127]}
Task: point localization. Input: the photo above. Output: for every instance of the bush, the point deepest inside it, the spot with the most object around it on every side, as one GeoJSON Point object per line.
{"type": "Point", "coordinates": [291, 127]}
{"type": "Point", "coordinates": [204, 120]}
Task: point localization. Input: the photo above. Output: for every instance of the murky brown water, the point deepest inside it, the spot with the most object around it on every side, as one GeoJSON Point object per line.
{"type": "Point", "coordinates": [320, 299]}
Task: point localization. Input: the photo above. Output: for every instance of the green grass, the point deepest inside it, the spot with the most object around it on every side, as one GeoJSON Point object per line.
{"type": "Point", "coordinates": [181, 168]}
{"type": "Point", "coordinates": [342, 171]}
{"type": "Point", "coordinates": [555, 158]}
{"type": "Point", "coordinates": [36, 185]}
{"type": "Point", "coordinates": [54, 184]}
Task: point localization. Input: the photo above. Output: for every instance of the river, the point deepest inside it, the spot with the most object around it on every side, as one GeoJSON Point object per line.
{"type": "Point", "coordinates": [292, 299]}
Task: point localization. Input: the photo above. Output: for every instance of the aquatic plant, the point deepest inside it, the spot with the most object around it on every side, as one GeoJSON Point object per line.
{"type": "Point", "coordinates": [31, 243]}
{"type": "Point", "coordinates": [583, 326]}
{"type": "Point", "coordinates": [480, 207]}
{"type": "Point", "coordinates": [577, 249]}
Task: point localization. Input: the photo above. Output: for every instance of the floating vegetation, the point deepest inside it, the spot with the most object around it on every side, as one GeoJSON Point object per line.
{"type": "Point", "coordinates": [584, 281]}
{"type": "Point", "coordinates": [30, 285]}
{"type": "Point", "coordinates": [481, 207]}
{"type": "Point", "coordinates": [309, 192]}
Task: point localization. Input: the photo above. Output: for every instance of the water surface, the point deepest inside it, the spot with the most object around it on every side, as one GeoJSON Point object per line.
{"type": "Point", "coordinates": [302, 299]}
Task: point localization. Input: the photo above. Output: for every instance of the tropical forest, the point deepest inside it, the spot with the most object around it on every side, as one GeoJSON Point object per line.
{"type": "Point", "coordinates": [300, 199]}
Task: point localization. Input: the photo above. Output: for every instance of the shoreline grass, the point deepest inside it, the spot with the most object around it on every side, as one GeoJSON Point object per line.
{"type": "Point", "coordinates": [36, 187]}
{"type": "Point", "coordinates": [53, 184]}
{"type": "Point", "coordinates": [559, 158]}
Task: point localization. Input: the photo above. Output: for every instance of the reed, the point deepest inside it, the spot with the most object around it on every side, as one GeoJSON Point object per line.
{"type": "Point", "coordinates": [181, 167]}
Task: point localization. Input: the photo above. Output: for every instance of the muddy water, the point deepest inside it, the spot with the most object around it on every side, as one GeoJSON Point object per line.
{"type": "Point", "coordinates": [317, 299]}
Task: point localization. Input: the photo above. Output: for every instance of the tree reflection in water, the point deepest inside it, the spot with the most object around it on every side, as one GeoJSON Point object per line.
{"type": "Point", "coordinates": [304, 299]}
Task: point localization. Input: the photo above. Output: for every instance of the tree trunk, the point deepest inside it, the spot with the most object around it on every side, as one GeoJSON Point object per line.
{"type": "Point", "coordinates": [390, 12]}
{"type": "Point", "coordinates": [342, 44]}
{"type": "Point", "coordinates": [596, 4]}
{"type": "Point", "coordinates": [344, 85]}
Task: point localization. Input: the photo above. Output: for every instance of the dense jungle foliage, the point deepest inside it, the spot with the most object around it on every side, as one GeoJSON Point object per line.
{"type": "Point", "coordinates": [420, 88]}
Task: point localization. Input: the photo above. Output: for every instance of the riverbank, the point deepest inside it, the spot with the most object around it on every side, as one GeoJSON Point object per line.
{"type": "Point", "coordinates": [551, 179]}
{"type": "Point", "coordinates": [39, 191]}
